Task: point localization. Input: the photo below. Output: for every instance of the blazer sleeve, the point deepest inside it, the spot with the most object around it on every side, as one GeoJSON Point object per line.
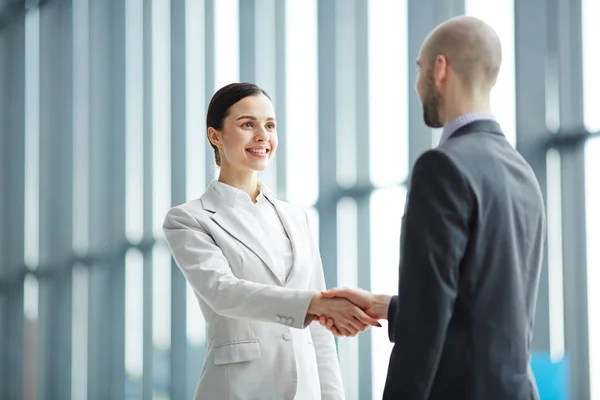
{"type": "Point", "coordinates": [208, 273]}
{"type": "Point", "coordinates": [436, 232]}
{"type": "Point", "coordinates": [328, 364]}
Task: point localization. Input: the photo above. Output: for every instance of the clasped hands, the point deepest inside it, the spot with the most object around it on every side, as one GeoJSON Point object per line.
{"type": "Point", "coordinates": [347, 312]}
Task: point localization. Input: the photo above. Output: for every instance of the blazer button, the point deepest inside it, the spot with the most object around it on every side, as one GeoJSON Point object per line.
{"type": "Point", "coordinates": [287, 337]}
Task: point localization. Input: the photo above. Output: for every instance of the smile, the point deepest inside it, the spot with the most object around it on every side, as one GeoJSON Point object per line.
{"type": "Point", "coordinates": [258, 152]}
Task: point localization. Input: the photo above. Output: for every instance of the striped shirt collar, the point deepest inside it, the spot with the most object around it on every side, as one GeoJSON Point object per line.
{"type": "Point", "coordinates": [463, 120]}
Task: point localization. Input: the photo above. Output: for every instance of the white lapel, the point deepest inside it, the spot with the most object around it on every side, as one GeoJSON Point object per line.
{"type": "Point", "coordinates": [290, 224]}
{"type": "Point", "coordinates": [239, 228]}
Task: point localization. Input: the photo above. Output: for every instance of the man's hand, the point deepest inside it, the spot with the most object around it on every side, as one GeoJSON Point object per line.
{"type": "Point", "coordinates": [349, 319]}
{"type": "Point", "coordinates": [373, 305]}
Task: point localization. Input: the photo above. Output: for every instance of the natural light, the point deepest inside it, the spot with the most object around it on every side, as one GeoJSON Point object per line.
{"type": "Point", "coordinates": [302, 102]}
{"type": "Point", "coordinates": [388, 91]}
{"type": "Point", "coordinates": [500, 16]}
{"type": "Point", "coordinates": [387, 206]}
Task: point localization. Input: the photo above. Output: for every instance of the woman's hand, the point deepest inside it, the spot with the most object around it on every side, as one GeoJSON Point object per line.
{"type": "Point", "coordinates": [349, 319]}
{"type": "Point", "coordinates": [375, 306]}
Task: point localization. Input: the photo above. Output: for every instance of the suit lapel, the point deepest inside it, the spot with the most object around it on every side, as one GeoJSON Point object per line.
{"type": "Point", "coordinates": [238, 227]}
{"type": "Point", "coordinates": [290, 227]}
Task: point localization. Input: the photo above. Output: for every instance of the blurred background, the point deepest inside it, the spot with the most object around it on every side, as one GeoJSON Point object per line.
{"type": "Point", "coordinates": [102, 130]}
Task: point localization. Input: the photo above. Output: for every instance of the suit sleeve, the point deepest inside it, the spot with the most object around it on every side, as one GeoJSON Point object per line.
{"type": "Point", "coordinates": [208, 273]}
{"type": "Point", "coordinates": [330, 376]}
{"type": "Point", "coordinates": [436, 232]}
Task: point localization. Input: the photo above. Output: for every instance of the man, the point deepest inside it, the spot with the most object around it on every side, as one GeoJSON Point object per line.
{"type": "Point", "coordinates": [472, 239]}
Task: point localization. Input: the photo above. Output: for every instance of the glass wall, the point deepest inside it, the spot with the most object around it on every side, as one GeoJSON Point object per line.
{"type": "Point", "coordinates": [102, 130]}
{"type": "Point", "coordinates": [591, 90]}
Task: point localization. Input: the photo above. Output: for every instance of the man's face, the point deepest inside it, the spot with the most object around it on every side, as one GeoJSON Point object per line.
{"type": "Point", "coordinates": [429, 95]}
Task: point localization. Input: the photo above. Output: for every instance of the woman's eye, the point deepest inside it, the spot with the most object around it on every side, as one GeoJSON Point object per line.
{"type": "Point", "coordinates": [271, 126]}
{"type": "Point", "coordinates": [248, 124]}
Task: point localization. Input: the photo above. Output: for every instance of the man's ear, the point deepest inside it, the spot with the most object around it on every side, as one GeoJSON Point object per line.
{"type": "Point", "coordinates": [214, 136]}
{"type": "Point", "coordinates": [440, 72]}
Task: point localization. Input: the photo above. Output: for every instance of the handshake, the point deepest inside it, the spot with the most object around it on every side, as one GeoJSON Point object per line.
{"type": "Point", "coordinates": [347, 312]}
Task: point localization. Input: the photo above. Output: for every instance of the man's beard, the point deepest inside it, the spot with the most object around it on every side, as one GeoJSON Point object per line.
{"type": "Point", "coordinates": [431, 104]}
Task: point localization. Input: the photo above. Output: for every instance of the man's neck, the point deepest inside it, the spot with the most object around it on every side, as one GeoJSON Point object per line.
{"type": "Point", "coordinates": [462, 106]}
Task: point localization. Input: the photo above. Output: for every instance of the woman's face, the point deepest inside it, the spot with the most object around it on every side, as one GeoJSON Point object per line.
{"type": "Point", "coordinates": [248, 140]}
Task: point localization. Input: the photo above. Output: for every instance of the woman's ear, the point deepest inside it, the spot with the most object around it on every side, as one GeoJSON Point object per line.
{"type": "Point", "coordinates": [214, 136]}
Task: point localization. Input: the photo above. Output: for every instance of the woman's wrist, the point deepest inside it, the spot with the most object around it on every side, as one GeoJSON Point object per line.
{"type": "Point", "coordinates": [315, 306]}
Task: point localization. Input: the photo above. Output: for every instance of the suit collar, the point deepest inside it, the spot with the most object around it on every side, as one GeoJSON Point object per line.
{"type": "Point", "coordinates": [463, 120]}
{"type": "Point", "coordinates": [487, 126]}
{"type": "Point", "coordinates": [227, 216]}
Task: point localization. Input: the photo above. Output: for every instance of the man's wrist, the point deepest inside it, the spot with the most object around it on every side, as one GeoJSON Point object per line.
{"type": "Point", "coordinates": [380, 305]}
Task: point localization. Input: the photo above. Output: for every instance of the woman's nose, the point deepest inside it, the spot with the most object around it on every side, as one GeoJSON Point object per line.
{"type": "Point", "coordinates": [261, 135]}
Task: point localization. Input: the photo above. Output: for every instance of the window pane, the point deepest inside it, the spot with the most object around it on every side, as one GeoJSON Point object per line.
{"type": "Point", "coordinates": [79, 334]}
{"type": "Point", "coordinates": [591, 59]}
{"type": "Point", "coordinates": [161, 319]}
{"type": "Point", "coordinates": [592, 165]}
{"type": "Point", "coordinates": [388, 91]}
{"type": "Point", "coordinates": [161, 295]}
{"type": "Point", "coordinates": [347, 277]}
{"type": "Point", "coordinates": [161, 112]}
{"type": "Point", "coordinates": [30, 348]}
{"type": "Point", "coordinates": [32, 137]}
{"type": "Point", "coordinates": [555, 256]}
{"type": "Point", "coordinates": [387, 207]}
{"type": "Point", "coordinates": [134, 322]}
{"type": "Point", "coordinates": [227, 45]}
{"type": "Point", "coordinates": [81, 125]}
{"type": "Point", "coordinates": [194, 79]}
{"type": "Point", "coordinates": [301, 102]}
{"type": "Point", "coordinates": [346, 252]}
{"type": "Point", "coordinates": [134, 121]}
{"type": "Point", "coordinates": [500, 16]}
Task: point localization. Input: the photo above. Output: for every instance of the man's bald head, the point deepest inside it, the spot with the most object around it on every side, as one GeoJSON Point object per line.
{"type": "Point", "coordinates": [471, 48]}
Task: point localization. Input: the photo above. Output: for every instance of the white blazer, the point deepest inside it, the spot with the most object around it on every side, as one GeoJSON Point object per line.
{"type": "Point", "coordinates": [255, 323]}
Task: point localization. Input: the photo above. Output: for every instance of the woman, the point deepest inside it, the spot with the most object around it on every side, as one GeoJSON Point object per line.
{"type": "Point", "coordinates": [255, 269]}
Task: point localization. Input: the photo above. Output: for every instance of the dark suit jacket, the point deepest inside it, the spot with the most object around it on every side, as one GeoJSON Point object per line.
{"type": "Point", "coordinates": [471, 252]}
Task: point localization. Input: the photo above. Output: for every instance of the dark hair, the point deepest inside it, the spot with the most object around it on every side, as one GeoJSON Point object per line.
{"type": "Point", "coordinates": [221, 102]}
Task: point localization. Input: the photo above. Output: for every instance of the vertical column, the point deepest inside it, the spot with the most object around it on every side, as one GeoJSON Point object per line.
{"type": "Point", "coordinates": [107, 200]}
{"type": "Point", "coordinates": [530, 80]}
{"type": "Point", "coordinates": [99, 297]}
{"type": "Point", "coordinates": [4, 202]}
{"type": "Point", "coordinates": [328, 113]}
{"type": "Point", "coordinates": [178, 191]}
{"type": "Point", "coordinates": [363, 236]}
{"type": "Point", "coordinates": [148, 200]}
{"type": "Point", "coordinates": [565, 24]}
{"type": "Point", "coordinates": [248, 27]}
{"type": "Point", "coordinates": [55, 213]}
{"type": "Point", "coordinates": [12, 125]}
{"type": "Point", "coordinates": [80, 200]}
{"type": "Point", "coordinates": [116, 202]}
{"type": "Point", "coordinates": [344, 156]}
{"type": "Point", "coordinates": [423, 16]}
{"type": "Point", "coordinates": [209, 73]}
{"type": "Point", "coordinates": [258, 57]}
{"type": "Point", "coordinates": [280, 97]}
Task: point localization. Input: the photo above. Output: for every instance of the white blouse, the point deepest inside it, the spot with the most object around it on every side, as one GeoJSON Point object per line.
{"type": "Point", "coordinates": [264, 216]}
